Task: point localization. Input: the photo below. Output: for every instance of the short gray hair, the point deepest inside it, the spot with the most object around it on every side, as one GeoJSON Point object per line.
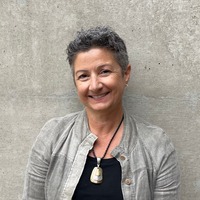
{"type": "Point", "coordinates": [102, 37]}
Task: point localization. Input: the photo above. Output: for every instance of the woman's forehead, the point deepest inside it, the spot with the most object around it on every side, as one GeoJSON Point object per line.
{"type": "Point", "coordinates": [94, 55]}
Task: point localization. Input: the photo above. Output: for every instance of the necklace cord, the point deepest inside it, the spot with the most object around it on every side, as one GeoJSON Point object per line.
{"type": "Point", "coordinates": [110, 140]}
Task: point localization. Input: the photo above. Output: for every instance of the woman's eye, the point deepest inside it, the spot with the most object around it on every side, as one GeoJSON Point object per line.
{"type": "Point", "coordinates": [82, 77]}
{"type": "Point", "coordinates": [105, 72]}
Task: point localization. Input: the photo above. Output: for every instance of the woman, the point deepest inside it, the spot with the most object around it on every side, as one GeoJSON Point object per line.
{"type": "Point", "coordinates": [101, 152]}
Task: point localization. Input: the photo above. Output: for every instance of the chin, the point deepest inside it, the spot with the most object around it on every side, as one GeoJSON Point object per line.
{"type": "Point", "coordinates": [101, 108]}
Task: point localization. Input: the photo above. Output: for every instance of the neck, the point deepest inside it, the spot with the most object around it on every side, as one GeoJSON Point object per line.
{"type": "Point", "coordinates": [103, 123]}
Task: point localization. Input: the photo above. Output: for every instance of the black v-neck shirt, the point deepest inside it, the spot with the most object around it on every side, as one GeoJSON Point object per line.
{"type": "Point", "coordinates": [109, 189]}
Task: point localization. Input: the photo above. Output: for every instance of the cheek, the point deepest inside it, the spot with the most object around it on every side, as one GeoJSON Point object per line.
{"type": "Point", "coordinates": [81, 90]}
{"type": "Point", "coordinates": [119, 83]}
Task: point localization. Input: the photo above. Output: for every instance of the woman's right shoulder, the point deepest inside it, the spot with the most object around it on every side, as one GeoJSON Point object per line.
{"type": "Point", "coordinates": [56, 127]}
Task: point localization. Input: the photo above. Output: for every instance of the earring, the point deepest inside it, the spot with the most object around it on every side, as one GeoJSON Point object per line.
{"type": "Point", "coordinates": [126, 84]}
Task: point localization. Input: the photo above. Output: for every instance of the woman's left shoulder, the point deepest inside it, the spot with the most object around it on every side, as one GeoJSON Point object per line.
{"type": "Point", "coordinates": [153, 137]}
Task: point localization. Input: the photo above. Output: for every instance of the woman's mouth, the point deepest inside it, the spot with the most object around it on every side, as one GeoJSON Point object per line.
{"type": "Point", "coordinates": [99, 96]}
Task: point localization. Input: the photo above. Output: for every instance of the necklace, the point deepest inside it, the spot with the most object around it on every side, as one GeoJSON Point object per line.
{"type": "Point", "coordinates": [97, 173]}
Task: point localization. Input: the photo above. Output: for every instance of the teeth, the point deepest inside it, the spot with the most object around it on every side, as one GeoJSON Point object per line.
{"type": "Point", "coordinates": [98, 96]}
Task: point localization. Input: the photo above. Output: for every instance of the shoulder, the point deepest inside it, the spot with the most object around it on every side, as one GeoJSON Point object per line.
{"type": "Point", "coordinates": [54, 128]}
{"type": "Point", "coordinates": [59, 122]}
{"type": "Point", "coordinates": [152, 136]}
{"type": "Point", "coordinates": [154, 141]}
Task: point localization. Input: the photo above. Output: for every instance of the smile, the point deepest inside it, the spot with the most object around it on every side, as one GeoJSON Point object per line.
{"type": "Point", "coordinates": [98, 96]}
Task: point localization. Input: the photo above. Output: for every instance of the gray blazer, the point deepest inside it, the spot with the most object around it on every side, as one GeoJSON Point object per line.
{"type": "Point", "coordinates": [147, 157]}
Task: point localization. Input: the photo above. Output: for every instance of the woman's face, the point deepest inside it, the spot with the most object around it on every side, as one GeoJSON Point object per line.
{"type": "Point", "coordinates": [99, 80]}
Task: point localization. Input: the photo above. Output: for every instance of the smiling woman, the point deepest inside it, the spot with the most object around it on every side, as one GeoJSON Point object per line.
{"type": "Point", "coordinates": [102, 152]}
{"type": "Point", "coordinates": [99, 80]}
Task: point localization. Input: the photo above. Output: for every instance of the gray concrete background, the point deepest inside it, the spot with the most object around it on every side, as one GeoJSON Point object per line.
{"type": "Point", "coordinates": [163, 40]}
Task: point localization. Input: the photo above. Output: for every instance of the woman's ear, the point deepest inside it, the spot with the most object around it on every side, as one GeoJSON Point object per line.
{"type": "Point", "coordinates": [127, 73]}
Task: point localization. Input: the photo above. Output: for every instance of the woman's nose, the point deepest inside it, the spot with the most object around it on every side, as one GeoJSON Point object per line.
{"type": "Point", "coordinates": [95, 84]}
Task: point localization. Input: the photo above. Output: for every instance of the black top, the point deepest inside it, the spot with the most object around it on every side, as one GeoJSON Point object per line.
{"type": "Point", "coordinates": [109, 189]}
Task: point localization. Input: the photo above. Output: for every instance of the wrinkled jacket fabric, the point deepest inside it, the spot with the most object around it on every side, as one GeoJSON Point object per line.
{"type": "Point", "coordinates": [146, 155]}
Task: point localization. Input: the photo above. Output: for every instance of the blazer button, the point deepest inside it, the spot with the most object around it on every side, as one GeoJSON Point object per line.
{"type": "Point", "coordinates": [122, 157]}
{"type": "Point", "coordinates": [128, 181]}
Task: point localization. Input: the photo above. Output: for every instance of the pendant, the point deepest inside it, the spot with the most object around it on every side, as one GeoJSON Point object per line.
{"type": "Point", "coordinates": [97, 173]}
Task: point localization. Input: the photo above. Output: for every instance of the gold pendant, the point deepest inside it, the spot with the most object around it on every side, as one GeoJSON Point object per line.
{"type": "Point", "coordinates": [96, 175]}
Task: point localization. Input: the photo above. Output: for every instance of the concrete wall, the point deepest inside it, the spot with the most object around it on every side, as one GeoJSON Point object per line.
{"type": "Point", "coordinates": [163, 39]}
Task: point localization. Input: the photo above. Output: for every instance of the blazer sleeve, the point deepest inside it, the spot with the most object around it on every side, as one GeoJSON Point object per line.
{"type": "Point", "coordinates": [168, 177]}
{"type": "Point", "coordinates": [38, 164]}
